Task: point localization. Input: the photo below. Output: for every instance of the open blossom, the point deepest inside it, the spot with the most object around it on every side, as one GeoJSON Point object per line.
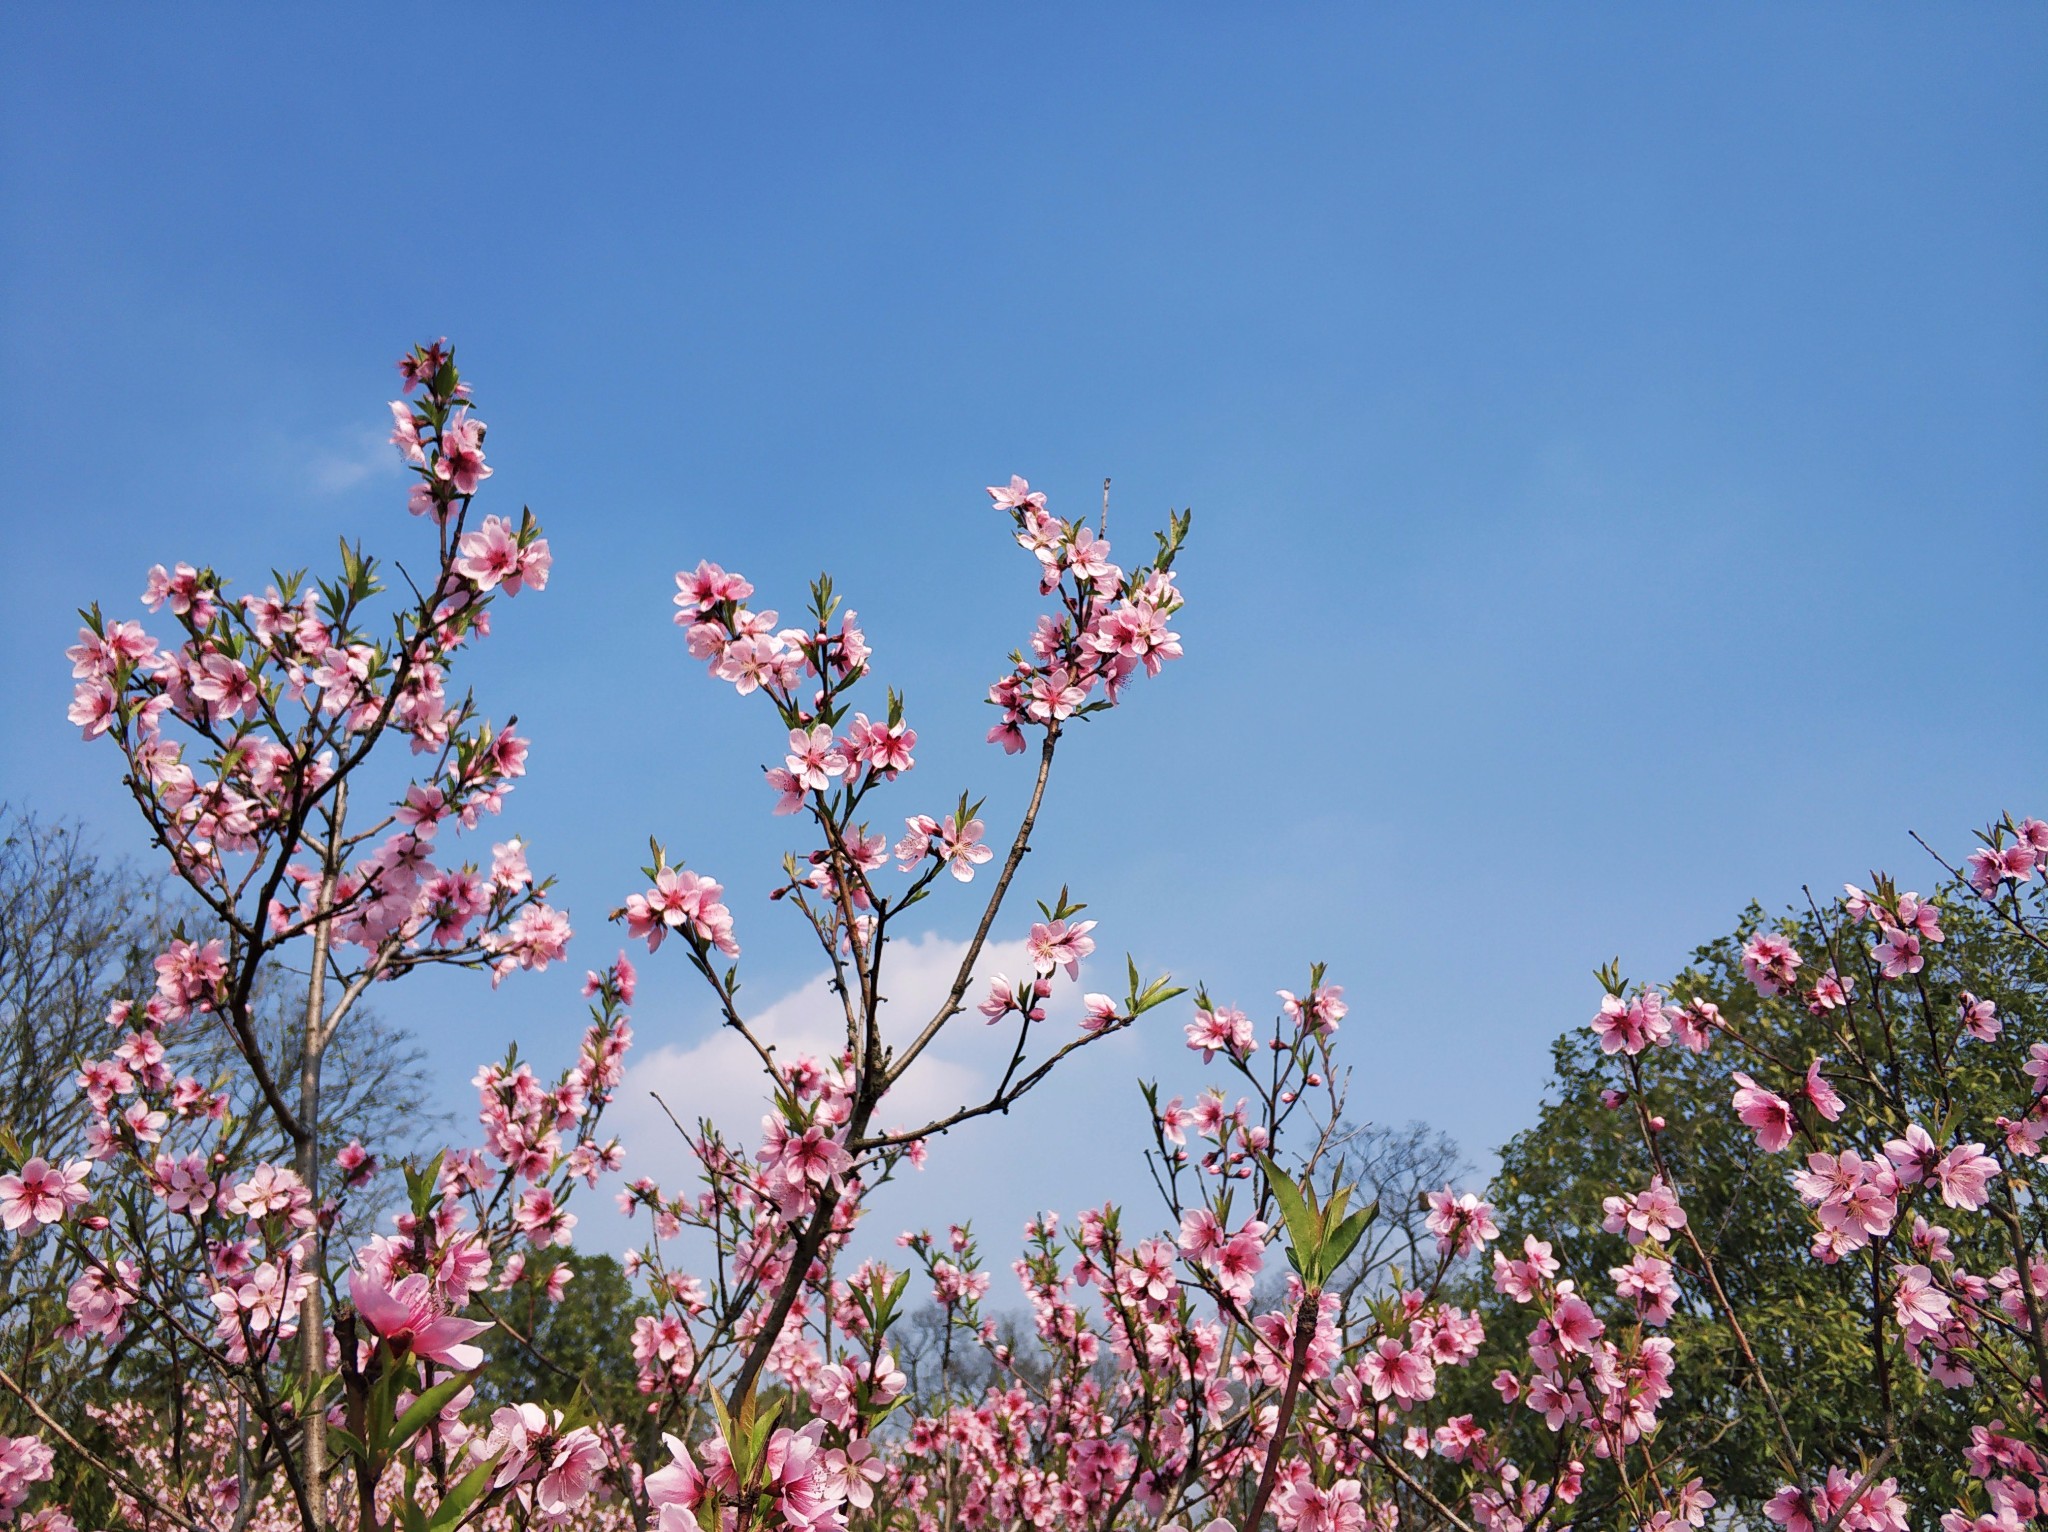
{"type": "Point", "coordinates": [1522, 1278]}
{"type": "Point", "coordinates": [1461, 1222]}
{"type": "Point", "coordinates": [1652, 1214]}
{"type": "Point", "coordinates": [461, 463]}
{"type": "Point", "coordinates": [962, 850]}
{"type": "Point", "coordinates": [1304, 1507]}
{"type": "Point", "coordinates": [408, 1314]}
{"type": "Point", "coordinates": [883, 748]}
{"type": "Point", "coordinates": [1769, 963]}
{"type": "Point", "coordinates": [1058, 944]}
{"type": "Point", "coordinates": [40, 1193]}
{"type": "Point", "coordinates": [1017, 495]}
{"type": "Point", "coordinates": [1980, 1018]}
{"type": "Point", "coordinates": [1630, 1026]}
{"type": "Point", "coordinates": [1766, 1112]}
{"type": "Point", "coordinates": [492, 556]}
{"type": "Point", "coordinates": [1321, 1009]}
{"type": "Point", "coordinates": [405, 433]}
{"type": "Point", "coordinates": [1826, 1101]}
{"type": "Point", "coordinates": [707, 586]}
{"type": "Point", "coordinates": [1391, 1370]}
{"type": "Point", "coordinates": [1879, 1508]}
{"type": "Point", "coordinates": [1223, 1030]}
{"type": "Point", "coordinates": [1647, 1283]}
{"type": "Point", "coordinates": [24, 1461]}
{"type": "Point", "coordinates": [1964, 1176]}
{"type": "Point", "coordinates": [1991, 866]}
{"type": "Point", "coordinates": [814, 758]}
{"type": "Point", "coordinates": [682, 901]}
{"type": "Point", "coordinates": [1922, 1308]}
{"type": "Point", "coordinates": [1899, 953]}
{"type": "Point", "coordinates": [572, 1472]}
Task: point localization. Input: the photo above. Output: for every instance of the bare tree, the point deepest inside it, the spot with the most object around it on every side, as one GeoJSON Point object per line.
{"type": "Point", "coordinates": [75, 930]}
{"type": "Point", "coordinates": [78, 930]}
{"type": "Point", "coordinates": [1397, 1168]}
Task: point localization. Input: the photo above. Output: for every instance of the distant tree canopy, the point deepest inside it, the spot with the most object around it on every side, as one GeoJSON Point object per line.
{"type": "Point", "coordinates": [1809, 1322]}
{"type": "Point", "coordinates": [78, 929]}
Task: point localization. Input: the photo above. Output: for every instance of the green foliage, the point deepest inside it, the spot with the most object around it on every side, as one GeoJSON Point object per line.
{"type": "Point", "coordinates": [1808, 1323]}
{"type": "Point", "coordinates": [577, 1354]}
{"type": "Point", "coordinates": [1319, 1235]}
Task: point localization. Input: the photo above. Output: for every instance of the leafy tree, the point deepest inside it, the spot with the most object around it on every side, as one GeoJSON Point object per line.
{"type": "Point", "coordinates": [1809, 1323]}
{"type": "Point", "coordinates": [577, 1352]}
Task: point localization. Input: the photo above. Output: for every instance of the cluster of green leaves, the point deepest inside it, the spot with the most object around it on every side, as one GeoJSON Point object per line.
{"type": "Point", "coordinates": [1320, 1234]}
{"type": "Point", "coordinates": [1809, 1324]}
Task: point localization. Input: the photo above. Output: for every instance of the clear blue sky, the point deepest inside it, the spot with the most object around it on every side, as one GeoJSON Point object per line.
{"type": "Point", "coordinates": [1615, 437]}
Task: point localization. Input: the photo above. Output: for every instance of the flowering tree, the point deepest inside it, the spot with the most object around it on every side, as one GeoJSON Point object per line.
{"type": "Point", "coordinates": [1176, 1372]}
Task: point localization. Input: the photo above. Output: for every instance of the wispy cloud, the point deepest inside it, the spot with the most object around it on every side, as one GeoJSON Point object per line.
{"type": "Point", "coordinates": [721, 1078]}
{"type": "Point", "coordinates": [353, 458]}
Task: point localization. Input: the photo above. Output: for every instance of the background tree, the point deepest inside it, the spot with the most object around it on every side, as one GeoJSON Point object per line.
{"type": "Point", "coordinates": [1394, 1168]}
{"type": "Point", "coordinates": [547, 1351]}
{"type": "Point", "coordinates": [1808, 1322]}
{"type": "Point", "coordinates": [77, 930]}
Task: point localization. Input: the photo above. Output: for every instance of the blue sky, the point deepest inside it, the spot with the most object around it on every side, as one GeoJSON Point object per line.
{"type": "Point", "coordinates": [1614, 435]}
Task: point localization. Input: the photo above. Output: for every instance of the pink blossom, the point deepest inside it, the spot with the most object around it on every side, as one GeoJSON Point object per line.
{"type": "Point", "coordinates": [405, 434]}
{"type": "Point", "coordinates": [705, 588]}
{"type": "Point", "coordinates": [94, 707]}
{"type": "Point", "coordinates": [1768, 1113]}
{"type": "Point", "coordinates": [1652, 1214]}
{"type": "Point", "coordinates": [1769, 962]}
{"type": "Point", "coordinates": [1899, 953]}
{"type": "Point", "coordinates": [572, 1472]}
{"type": "Point", "coordinates": [1964, 1176]}
{"type": "Point", "coordinates": [681, 900]}
{"type": "Point", "coordinates": [883, 748]}
{"type": "Point", "coordinates": [1016, 496]}
{"type": "Point", "coordinates": [40, 1193]}
{"type": "Point", "coordinates": [408, 1314]}
{"type": "Point", "coordinates": [1980, 1018]}
{"type": "Point", "coordinates": [961, 849]}
{"type": "Point", "coordinates": [1223, 1030]}
{"type": "Point", "coordinates": [1825, 1100]}
{"type": "Point", "coordinates": [1922, 1308]}
{"type": "Point", "coordinates": [1647, 1283]}
{"type": "Point", "coordinates": [1630, 1026]}
{"type": "Point", "coordinates": [814, 758]}
{"type": "Point", "coordinates": [493, 555]}
{"type": "Point", "coordinates": [1461, 1222]}
{"type": "Point", "coordinates": [1058, 944]}
{"type": "Point", "coordinates": [1304, 1507]}
{"type": "Point", "coordinates": [462, 454]}
{"type": "Point", "coordinates": [1321, 1009]}
{"type": "Point", "coordinates": [1391, 1370]}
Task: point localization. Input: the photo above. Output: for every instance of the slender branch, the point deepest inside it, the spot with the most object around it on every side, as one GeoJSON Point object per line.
{"type": "Point", "coordinates": [56, 1429]}
{"type": "Point", "coordinates": [1018, 846]}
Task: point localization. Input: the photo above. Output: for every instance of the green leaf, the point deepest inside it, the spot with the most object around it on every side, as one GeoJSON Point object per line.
{"type": "Point", "coordinates": [458, 1500]}
{"type": "Point", "coordinates": [422, 1411]}
{"type": "Point", "coordinates": [735, 1446]}
{"type": "Point", "coordinates": [350, 1442]}
{"type": "Point", "coordinates": [1344, 1239]}
{"type": "Point", "coordinates": [1304, 1231]}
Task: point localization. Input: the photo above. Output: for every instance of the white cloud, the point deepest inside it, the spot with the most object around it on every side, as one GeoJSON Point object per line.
{"type": "Point", "coordinates": [722, 1079]}
{"type": "Point", "coordinates": [349, 459]}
